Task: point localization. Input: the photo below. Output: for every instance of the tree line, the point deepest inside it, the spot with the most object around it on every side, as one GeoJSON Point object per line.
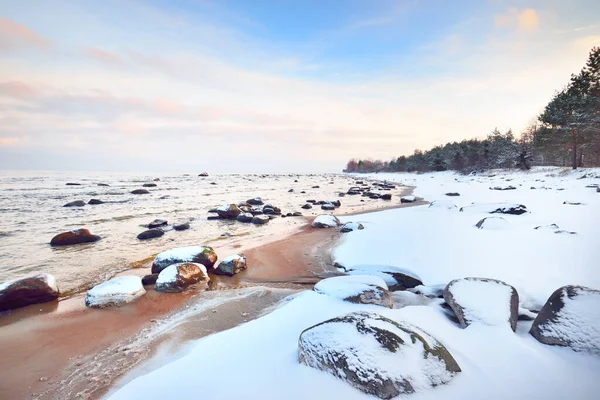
{"type": "Point", "coordinates": [566, 133]}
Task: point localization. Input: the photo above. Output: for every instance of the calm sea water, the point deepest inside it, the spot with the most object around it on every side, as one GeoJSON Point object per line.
{"type": "Point", "coordinates": [32, 212]}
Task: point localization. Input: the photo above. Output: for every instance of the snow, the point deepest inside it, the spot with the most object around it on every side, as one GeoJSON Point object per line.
{"type": "Point", "coordinates": [494, 223]}
{"type": "Point", "coordinates": [482, 302]}
{"type": "Point", "coordinates": [182, 254]}
{"type": "Point", "coordinates": [168, 274]}
{"type": "Point", "coordinates": [326, 220]}
{"type": "Point", "coordinates": [342, 287]}
{"type": "Point", "coordinates": [115, 292]}
{"type": "Point", "coordinates": [382, 271]}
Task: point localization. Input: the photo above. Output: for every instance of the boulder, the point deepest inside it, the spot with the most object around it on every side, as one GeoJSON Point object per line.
{"type": "Point", "coordinates": [326, 221]}
{"type": "Point", "coordinates": [496, 208]}
{"type": "Point", "coordinates": [156, 223]}
{"type": "Point", "coordinates": [376, 355]}
{"type": "Point", "coordinates": [184, 226]}
{"type": "Point", "coordinates": [260, 219]}
{"type": "Point", "coordinates": [103, 184]}
{"type": "Point", "coordinates": [149, 279]}
{"type": "Point", "coordinates": [307, 206]}
{"type": "Point", "coordinates": [72, 184]}
{"type": "Point", "coordinates": [230, 211]}
{"type": "Point", "coordinates": [386, 196]}
{"type": "Point", "coordinates": [195, 254]}
{"type": "Point", "coordinates": [360, 289]}
{"type": "Point", "coordinates": [212, 217]}
{"type": "Point", "coordinates": [150, 234]}
{"type": "Point", "coordinates": [231, 265]}
{"type": "Point", "coordinates": [23, 292]}
{"type": "Point", "coordinates": [296, 214]}
{"type": "Point", "coordinates": [257, 201]}
{"type": "Point", "coordinates": [396, 278]}
{"type": "Point", "coordinates": [351, 226]}
{"type": "Point", "coordinates": [245, 217]}
{"type": "Point", "coordinates": [115, 292]}
{"type": "Point", "coordinates": [94, 202]}
{"type": "Point", "coordinates": [408, 199]}
{"type": "Point", "coordinates": [140, 191]}
{"type": "Point", "coordinates": [311, 201]}
{"type": "Point", "coordinates": [76, 203]}
{"type": "Point", "coordinates": [76, 236]}
{"type": "Point", "coordinates": [203, 174]}
{"type": "Point", "coordinates": [149, 185]}
{"type": "Point", "coordinates": [177, 277]}
{"type": "Point", "coordinates": [486, 301]}
{"type": "Point", "coordinates": [327, 207]}
{"type": "Point", "coordinates": [336, 203]}
{"type": "Point", "coordinates": [453, 194]}
{"type": "Point", "coordinates": [291, 191]}
{"type": "Point", "coordinates": [571, 318]}
{"type": "Point", "coordinates": [492, 223]}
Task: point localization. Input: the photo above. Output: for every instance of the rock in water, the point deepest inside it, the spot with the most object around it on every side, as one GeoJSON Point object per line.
{"type": "Point", "coordinates": [257, 201]}
{"type": "Point", "coordinates": [386, 196]}
{"type": "Point", "coordinates": [260, 219]}
{"type": "Point", "coordinates": [36, 289]}
{"type": "Point", "coordinates": [194, 254]}
{"type": "Point", "coordinates": [351, 226]}
{"type": "Point", "coordinates": [150, 234]}
{"type": "Point", "coordinates": [94, 202]}
{"type": "Point", "coordinates": [452, 194]}
{"type": "Point", "coordinates": [115, 292]}
{"type": "Point", "coordinates": [396, 278]}
{"type": "Point", "coordinates": [486, 301]}
{"type": "Point", "coordinates": [177, 277]}
{"type": "Point", "coordinates": [149, 185]}
{"type": "Point", "coordinates": [74, 237]}
{"type": "Point", "coordinates": [376, 355]}
{"type": "Point", "coordinates": [230, 211]}
{"type": "Point", "coordinates": [245, 217]}
{"type": "Point", "coordinates": [149, 279]}
{"type": "Point", "coordinates": [140, 191]}
{"type": "Point", "coordinates": [76, 203]}
{"type": "Point", "coordinates": [156, 223]}
{"type": "Point", "coordinates": [203, 174]}
{"type": "Point", "coordinates": [182, 227]}
{"type": "Point", "coordinates": [326, 221]}
{"type": "Point", "coordinates": [327, 207]}
{"type": "Point", "coordinates": [570, 317]}
{"type": "Point", "coordinates": [231, 265]}
{"type": "Point", "coordinates": [360, 289]}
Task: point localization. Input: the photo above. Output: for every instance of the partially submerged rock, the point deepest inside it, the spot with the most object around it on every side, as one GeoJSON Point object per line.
{"type": "Point", "coordinates": [76, 236]}
{"type": "Point", "coordinates": [481, 300]}
{"type": "Point", "coordinates": [307, 206]}
{"type": "Point", "coordinates": [231, 265]}
{"type": "Point", "coordinates": [376, 355]}
{"type": "Point", "coordinates": [140, 191]}
{"type": "Point", "coordinates": [230, 211]}
{"type": "Point", "coordinates": [452, 194]}
{"type": "Point", "coordinates": [326, 221]}
{"type": "Point", "coordinates": [177, 277]}
{"type": "Point", "coordinates": [360, 289]}
{"type": "Point", "coordinates": [260, 219]}
{"type": "Point", "coordinates": [94, 202]}
{"type": "Point", "coordinates": [195, 254]}
{"type": "Point", "coordinates": [149, 185]}
{"type": "Point", "coordinates": [327, 207]}
{"type": "Point", "coordinates": [396, 278]}
{"type": "Point", "coordinates": [156, 223]}
{"type": "Point", "coordinates": [149, 279]}
{"type": "Point", "coordinates": [23, 292]}
{"type": "Point", "coordinates": [115, 292]}
{"type": "Point", "coordinates": [245, 217]}
{"type": "Point", "coordinates": [76, 203]}
{"type": "Point", "coordinates": [182, 226]}
{"type": "Point", "coordinates": [150, 234]}
{"type": "Point", "coordinates": [257, 201]}
{"type": "Point", "coordinates": [571, 318]}
{"type": "Point", "coordinates": [351, 226]}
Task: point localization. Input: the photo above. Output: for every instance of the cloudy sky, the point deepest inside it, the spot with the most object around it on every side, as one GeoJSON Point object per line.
{"type": "Point", "coordinates": [267, 85]}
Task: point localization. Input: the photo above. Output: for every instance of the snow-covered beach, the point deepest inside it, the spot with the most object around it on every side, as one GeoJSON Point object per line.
{"type": "Point", "coordinates": [438, 243]}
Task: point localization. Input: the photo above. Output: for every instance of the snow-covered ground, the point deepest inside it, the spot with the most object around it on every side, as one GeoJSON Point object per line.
{"type": "Point", "coordinates": [260, 359]}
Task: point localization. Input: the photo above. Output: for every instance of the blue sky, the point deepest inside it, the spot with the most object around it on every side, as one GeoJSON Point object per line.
{"type": "Point", "coordinates": [119, 83]}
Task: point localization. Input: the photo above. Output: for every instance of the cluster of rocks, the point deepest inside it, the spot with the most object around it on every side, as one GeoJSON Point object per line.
{"type": "Point", "coordinates": [253, 211]}
{"type": "Point", "coordinates": [331, 221]}
{"type": "Point", "coordinates": [368, 191]}
{"type": "Point", "coordinates": [327, 205]}
{"type": "Point", "coordinates": [159, 227]}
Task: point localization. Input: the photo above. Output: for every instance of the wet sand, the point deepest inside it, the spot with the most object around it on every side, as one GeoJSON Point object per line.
{"type": "Point", "coordinates": [63, 350]}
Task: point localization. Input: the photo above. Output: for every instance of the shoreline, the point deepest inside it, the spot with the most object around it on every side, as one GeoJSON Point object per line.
{"type": "Point", "coordinates": [56, 350]}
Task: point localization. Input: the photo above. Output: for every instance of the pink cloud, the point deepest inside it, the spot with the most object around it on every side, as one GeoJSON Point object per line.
{"type": "Point", "coordinates": [13, 35]}
{"type": "Point", "coordinates": [166, 107]}
{"type": "Point", "coordinates": [103, 56]}
{"type": "Point", "coordinates": [8, 141]}
{"type": "Point", "coordinates": [16, 89]}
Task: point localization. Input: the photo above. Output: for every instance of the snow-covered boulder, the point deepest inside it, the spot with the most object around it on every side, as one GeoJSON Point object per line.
{"type": "Point", "coordinates": [196, 254]}
{"type": "Point", "coordinates": [408, 199]}
{"type": "Point", "coordinates": [231, 265]}
{"type": "Point", "coordinates": [376, 355]}
{"type": "Point", "coordinates": [35, 289]}
{"type": "Point", "coordinates": [327, 206]}
{"type": "Point", "coordinates": [570, 317]}
{"type": "Point", "coordinates": [351, 226]}
{"type": "Point", "coordinates": [480, 300]}
{"type": "Point", "coordinates": [115, 292]}
{"type": "Point", "coordinates": [326, 221]}
{"type": "Point", "coordinates": [503, 188]}
{"type": "Point", "coordinates": [177, 277]}
{"type": "Point", "coordinates": [76, 236]}
{"type": "Point", "coordinates": [260, 219]}
{"type": "Point", "coordinates": [395, 278]}
{"type": "Point", "coordinates": [360, 289]}
{"type": "Point", "coordinates": [257, 201]}
{"type": "Point", "coordinates": [496, 208]}
{"type": "Point", "coordinates": [228, 211]}
{"type": "Point", "coordinates": [495, 223]}
{"type": "Point", "coordinates": [245, 217]}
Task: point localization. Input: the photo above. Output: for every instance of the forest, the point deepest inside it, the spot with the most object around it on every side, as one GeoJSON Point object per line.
{"type": "Point", "coordinates": [566, 133]}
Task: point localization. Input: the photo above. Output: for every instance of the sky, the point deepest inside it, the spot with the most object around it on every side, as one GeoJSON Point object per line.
{"type": "Point", "coordinates": [273, 86]}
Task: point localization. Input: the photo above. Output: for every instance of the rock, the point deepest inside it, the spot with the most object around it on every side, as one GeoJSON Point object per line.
{"type": "Point", "coordinates": [571, 318]}
{"type": "Point", "coordinates": [311, 201]}
{"type": "Point", "coordinates": [359, 289]}
{"type": "Point", "coordinates": [316, 187]}
{"type": "Point", "coordinates": [140, 191]}
{"type": "Point", "coordinates": [376, 355]}
{"type": "Point", "coordinates": [73, 184]}
{"type": "Point", "coordinates": [103, 184]}
{"type": "Point", "coordinates": [149, 279]}
{"type": "Point", "coordinates": [598, 189]}
{"type": "Point", "coordinates": [35, 289]}
{"type": "Point", "coordinates": [231, 265]}
{"type": "Point", "coordinates": [351, 226]}
{"type": "Point", "coordinates": [296, 214]}
{"type": "Point", "coordinates": [453, 194]}
{"type": "Point", "coordinates": [213, 183]}
{"type": "Point", "coordinates": [150, 234]}
{"type": "Point", "coordinates": [94, 202]}
{"type": "Point", "coordinates": [76, 236]}
{"type": "Point", "coordinates": [408, 199]}
{"type": "Point", "coordinates": [341, 194]}
{"type": "Point", "coordinates": [156, 179]}
{"type": "Point", "coordinates": [492, 223]}
{"type": "Point", "coordinates": [496, 208]}
{"type": "Point", "coordinates": [260, 219]}
{"type": "Point", "coordinates": [503, 188]}
{"type": "Point", "coordinates": [245, 217]}
{"type": "Point", "coordinates": [76, 203]}
{"type": "Point", "coordinates": [156, 223]}
{"type": "Point", "coordinates": [328, 207]}
{"type": "Point", "coordinates": [551, 227]}
{"type": "Point", "coordinates": [326, 221]}
{"type": "Point", "coordinates": [203, 174]}
{"type": "Point", "coordinates": [195, 254]}
{"type": "Point", "coordinates": [166, 196]}
{"type": "Point", "coordinates": [336, 203]}
{"type": "Point", "coordinates": [115, 292]}
{"type": "Point", "coordinates": [291, 191]}
{"type": "Point", "coordinates": [184, 226]}
{"type": "Point", "coordinates": [487, 301]}
{"type": "Point", "coordinates": [177, 277]}
{"type": "Point", "coordinates": [573, 203]}
{"type": "Point", "coordinates": [432, 291]}
{"type": "Point", "coordinates": [395, 278]}
{"type": "Point", "coordinates": [149, 185]}
{"type": "Point", "coordinates": [386, 196]}
{"type": "Point", "coordinates": [230, 211]}
{"type": "Point", "coordinates": [257, 201]}
{"type": "Point", "coordinates": [212, 217]}
{"type": "Point", "coordinates": [307, 206]}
